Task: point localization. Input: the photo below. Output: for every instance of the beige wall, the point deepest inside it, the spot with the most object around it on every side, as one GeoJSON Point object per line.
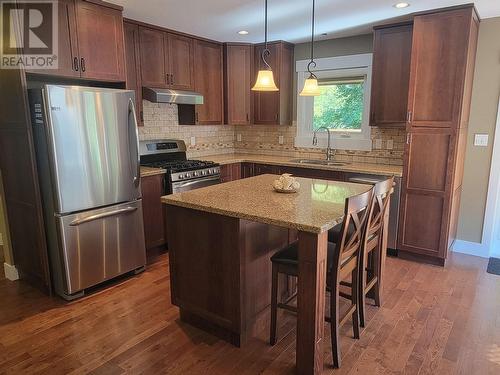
{"type": "Point", "coordinates": [485, 95]}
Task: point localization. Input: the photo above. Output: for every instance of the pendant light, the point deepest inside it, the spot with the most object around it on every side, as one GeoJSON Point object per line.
{"type": "Point", "coordinates": [265, 78]}
{"type": "Point", "coordinates": [311, 84]}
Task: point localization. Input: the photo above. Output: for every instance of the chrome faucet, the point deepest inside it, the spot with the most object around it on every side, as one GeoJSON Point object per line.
{"type": "Point", "coordinates": [330, 153]}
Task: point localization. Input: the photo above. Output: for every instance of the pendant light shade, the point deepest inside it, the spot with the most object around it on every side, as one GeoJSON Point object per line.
{"type": "Point", "coordinates": [311, 87]}
{"type": "Point", "coordinates": [265, 77]}
{"type": "Point", "coordinates": [265, 81]}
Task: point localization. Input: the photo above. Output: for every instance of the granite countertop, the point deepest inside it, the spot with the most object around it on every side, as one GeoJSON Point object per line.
{"type": "Point", "coordinates": [149, 171]}
{"type": "Point", "coordinates": [379, 169]}
{"type": "Point", "coordinates": [317, 207]}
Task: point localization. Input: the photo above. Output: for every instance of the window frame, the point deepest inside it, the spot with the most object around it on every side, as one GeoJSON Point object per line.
{"type": "Point", "coordinates": [334, 68]}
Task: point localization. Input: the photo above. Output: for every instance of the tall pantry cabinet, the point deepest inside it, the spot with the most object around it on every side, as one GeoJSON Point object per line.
{"type": "Point", "coordinates": [441, 73]}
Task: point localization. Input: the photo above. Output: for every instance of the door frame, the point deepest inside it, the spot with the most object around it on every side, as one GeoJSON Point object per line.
{"type": "Point", "coordinates": [492, 212]}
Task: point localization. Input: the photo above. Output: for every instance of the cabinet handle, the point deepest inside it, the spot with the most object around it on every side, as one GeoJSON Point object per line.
{"type": "Point", "coordinates": [408, 138]}
{"type": "Point", "coordinates": [167, 77]}
{"type": "Point", "coordinates": [171, 79]}
{"type": "Point", "coordinates": [196, 116]}
{"type": "Point", "coordinates": [409, 116]}
{"type": "Point", "coordinates": [248, 118]}
{"type": "Point", "coordinates": [276, 117]}
{"type": "Point", "coordinates": [82, 64]}
{"type": "Point", "coordinates": [75, 64]}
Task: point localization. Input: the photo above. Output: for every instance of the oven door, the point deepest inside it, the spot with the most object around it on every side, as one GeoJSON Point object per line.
{"type": "Point", "coordinates": [179, 187]}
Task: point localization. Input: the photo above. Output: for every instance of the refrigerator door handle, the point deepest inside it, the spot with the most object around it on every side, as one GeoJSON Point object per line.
{"type": "Point", "coordinates": [135, 136]}
{"type": "Point", "coordinates": [102, 215]}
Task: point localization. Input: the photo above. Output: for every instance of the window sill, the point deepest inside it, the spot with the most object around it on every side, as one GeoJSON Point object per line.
{"type": "Point", "coordinates": [338, 143]}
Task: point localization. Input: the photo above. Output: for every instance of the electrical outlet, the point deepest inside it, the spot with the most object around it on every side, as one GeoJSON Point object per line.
{"type": "Point", "coordinates": [389, 144]}
{"type": "Point", "coordinates": [238, 137]}
{"type": "Point", "coordinates": [378, 144]}
{"type": "Point", "coordinates": [193, 141]}
{"type": "Point", "coordinates": [281, 140]}
{"type": "Point", "coordinates": [481, 140]}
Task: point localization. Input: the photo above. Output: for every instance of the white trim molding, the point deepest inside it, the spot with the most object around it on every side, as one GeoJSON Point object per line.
{"type": "Point", "coordinates": [334, 67]}
{"type": "Point", "coordinates": [10, 272]}
{"type": "Point", "coordinates": [492, 212]}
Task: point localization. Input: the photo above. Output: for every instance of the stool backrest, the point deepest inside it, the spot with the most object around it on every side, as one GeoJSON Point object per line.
{"type": "Point", "coordinates": [380, 204]}
{"type": "Point", "coordinates": [355, 215]}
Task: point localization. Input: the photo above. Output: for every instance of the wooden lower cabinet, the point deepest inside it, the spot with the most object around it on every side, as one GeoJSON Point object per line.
{"type": "Point", "coordinates": [259, 169]}
{"type": "Point", "coordinates": [230, 172]}
{"type": "Point", "coordinates": [153, 212]}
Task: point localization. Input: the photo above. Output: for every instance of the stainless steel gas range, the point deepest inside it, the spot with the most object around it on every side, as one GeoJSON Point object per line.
{"type": "Point", "coordinates": [182, 174]}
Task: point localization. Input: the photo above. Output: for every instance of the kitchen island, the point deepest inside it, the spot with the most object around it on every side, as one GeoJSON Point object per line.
{"type": "Point", "coordinates": [221, 239]}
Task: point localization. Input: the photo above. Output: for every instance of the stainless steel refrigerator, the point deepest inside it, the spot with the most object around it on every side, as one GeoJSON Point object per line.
{"type": "Point", "coordinates": [88, 164]}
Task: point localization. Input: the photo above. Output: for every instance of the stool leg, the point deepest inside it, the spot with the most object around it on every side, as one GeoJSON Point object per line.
{"type": "Point", "coordinates": [362, 276]}
{"type": "Point", "coordinates": [377, 257]}
{"type": "Point", "coordinates": [334, 324]}
{"type": "Point", "coordinates": [274, 304]}
{"type": "Point", "coordinates": [355, 301]}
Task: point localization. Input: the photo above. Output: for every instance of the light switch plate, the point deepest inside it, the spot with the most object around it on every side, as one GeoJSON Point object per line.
{"type": "Point", "coordinates": [481, 140]}
{"type": "Point", "coordinates": [281, 140]}
{"type": "Point", "coordinates": [193, 141]}
{"type": "Point", "coordinates": [378, 144]}
{"type": "Point", "coordinates": [390, 144]}
{"type": "Point", "coordinates": [238, 137]}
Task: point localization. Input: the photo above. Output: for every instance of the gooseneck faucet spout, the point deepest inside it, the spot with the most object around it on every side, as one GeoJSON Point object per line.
{"type": "Point", "coordinates": [330, 153]}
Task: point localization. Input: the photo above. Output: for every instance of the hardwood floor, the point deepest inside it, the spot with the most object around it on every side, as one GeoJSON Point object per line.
{"type": "Point", "coordinates": [433, 320]}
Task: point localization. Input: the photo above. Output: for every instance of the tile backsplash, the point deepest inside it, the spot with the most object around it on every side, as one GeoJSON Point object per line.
{"type": "Point", "coordinates": [161, 121]}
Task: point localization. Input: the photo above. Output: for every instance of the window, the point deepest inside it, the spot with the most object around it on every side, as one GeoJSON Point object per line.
{"type": "Point", "coordinates": [343, 106]}
{"type": "Point", "coordinates": [340, 105]}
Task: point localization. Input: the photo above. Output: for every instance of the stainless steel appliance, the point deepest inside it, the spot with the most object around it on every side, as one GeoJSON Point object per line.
{"type": "Point", "coordinates": [392, 239]}
{"type": "Point", "coordinates": [88, 162]}
{"type": "Point", "coordinates": [182, 174]}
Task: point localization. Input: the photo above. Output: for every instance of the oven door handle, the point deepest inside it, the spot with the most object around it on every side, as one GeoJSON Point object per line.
{"type": "Point", "coordinates": [194, 182]}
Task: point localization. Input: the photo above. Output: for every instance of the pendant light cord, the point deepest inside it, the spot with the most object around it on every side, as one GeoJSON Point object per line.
{"type": "Point", "coordinates": [312, 62]}
{"type": "Point", "coordinates": [266, 51]}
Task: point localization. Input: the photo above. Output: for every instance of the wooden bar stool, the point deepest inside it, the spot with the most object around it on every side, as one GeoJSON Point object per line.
{"type": "Point", "coordinates": [373, 246]}
{"type": "Point", "coordinates": [343, 260]}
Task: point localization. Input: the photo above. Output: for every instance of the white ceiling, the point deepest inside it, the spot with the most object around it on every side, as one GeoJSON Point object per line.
{"type": "Point", "coordinates": [288, 19]}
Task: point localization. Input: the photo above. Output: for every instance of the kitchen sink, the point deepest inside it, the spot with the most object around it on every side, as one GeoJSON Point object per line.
{"type": "Point", "coordinates": [319, 162]}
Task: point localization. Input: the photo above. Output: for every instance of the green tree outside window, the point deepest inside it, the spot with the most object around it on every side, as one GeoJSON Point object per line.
{"type": "Point", "coordinates": [340, 106]}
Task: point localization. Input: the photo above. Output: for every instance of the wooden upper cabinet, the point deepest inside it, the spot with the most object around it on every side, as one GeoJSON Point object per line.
{"type": "Point", "coordinates": [131, 33]}
{"type": "Point", "coordinates": [391, 76]}
{"type": "Point", "coordinates": [180, 59]}
{"type": "Point", "coordinates": [439, 59]}
{"type": "Point", "coordinates": [237, 83]}
{"type": "Point", "coordinates": [275, 107]}
{"type": "Point", "coordinates": [100, 42]}
{"type": "Point", "coordinates": [208, 82]}
{"type": "Point", "coordinates": [152, 57]}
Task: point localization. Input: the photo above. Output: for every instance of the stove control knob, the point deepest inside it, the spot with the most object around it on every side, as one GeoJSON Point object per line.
{"type": "Point", "coordinates": [181, 176]}
{"type": "Point", "coordinates": [195, 174]}
{"type": "Point", "coordinates": [210, 171]}
{"type": "Point", "coordinates": [188, 175]}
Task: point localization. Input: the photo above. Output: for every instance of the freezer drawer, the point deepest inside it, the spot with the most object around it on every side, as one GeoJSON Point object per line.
{"type": "Point", "coordinates": [100, 244]}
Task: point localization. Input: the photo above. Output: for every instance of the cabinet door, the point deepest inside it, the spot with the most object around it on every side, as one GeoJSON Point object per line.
{"type": "Point", "coordinates": [131, 33]}
{"type": "Point", "coordinates": [181, 62]}
{"type": "Point", "coordinates": [246, 170]}
{"type": "Point", "coordinates": [154, 220]}
{"type": "Point", "coordinates": [267, 104]}
{"type": "Point", "coordinates": [265, 169]}
{"type": "Point", "coordinates": [67, 50]}
{"type": "Point", "coordinates": [237, 87]}
{"type": "Point", "coordinates": [100, 42]}
{"type": "Point", "coordinates": [439, 58]}
{"type": "Point", "coordinates": [425, 202]}
{"type": "Point", "coordinates": [152, 57]}
{"type": "Point", "coordinates": [208, 81]}
{"type": "Point", "coordinates": [391, 76]}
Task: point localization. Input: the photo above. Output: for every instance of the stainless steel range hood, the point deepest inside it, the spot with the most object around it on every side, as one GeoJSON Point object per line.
{"type": "Point", "coordinates": [171, 96]}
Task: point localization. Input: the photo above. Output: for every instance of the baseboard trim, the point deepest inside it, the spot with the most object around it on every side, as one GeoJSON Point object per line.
{"type": "Point", "coordinates": [11, 272]}
{"type": "Point", "coordinates": [471, 248]}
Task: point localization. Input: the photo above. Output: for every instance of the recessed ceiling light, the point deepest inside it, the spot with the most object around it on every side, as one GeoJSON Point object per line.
{"type": "Point", "coordinates": [243, 32]}
{"type": "Point", "coordinates": [401, 5]}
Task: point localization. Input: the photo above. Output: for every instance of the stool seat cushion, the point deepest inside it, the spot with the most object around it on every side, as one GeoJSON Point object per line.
{"type": "Point", "coordinates": [289, 255]}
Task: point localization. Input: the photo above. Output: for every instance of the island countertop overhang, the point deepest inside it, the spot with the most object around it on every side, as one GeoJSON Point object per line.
{"type": "Point", "coordinates": [317, 207]}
